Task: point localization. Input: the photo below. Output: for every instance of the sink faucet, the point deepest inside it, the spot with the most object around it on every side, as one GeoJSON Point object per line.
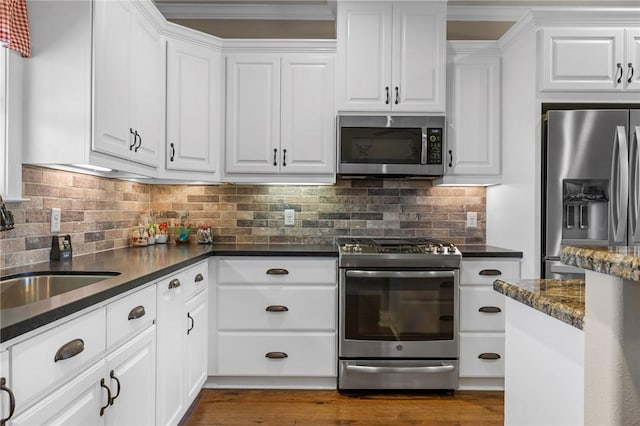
{"type": "Point", "coordinates": [6, 217]}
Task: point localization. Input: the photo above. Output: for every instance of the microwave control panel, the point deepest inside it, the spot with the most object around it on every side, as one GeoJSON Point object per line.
{"type": "Point", "coordinates": [434, 146]}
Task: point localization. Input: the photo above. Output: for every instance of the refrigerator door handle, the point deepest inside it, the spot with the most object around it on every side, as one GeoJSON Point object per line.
{"type": "Point", "coordinates": [619, 185]}
{"type": "Point", "coordinates": [634, 183]}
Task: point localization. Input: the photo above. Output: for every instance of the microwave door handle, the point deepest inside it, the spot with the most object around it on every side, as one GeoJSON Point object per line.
{"type": "Point", "coordinates": [423, 156]}
{"type": "Point", "coordinates": [634, 183]}
{"type": "Point", "coordinates": [619, 185]}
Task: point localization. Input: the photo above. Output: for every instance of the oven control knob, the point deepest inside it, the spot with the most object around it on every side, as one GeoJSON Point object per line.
{"type": "Point", "coordinates": [347, 248]}
{"type": "Point", "coordinates": [357, 248]}
{"type": "Point", "coordinates": [441, 249]}
{"type": "Point", "coordinates": [431, 248]}
{"type": "Point", "coordinates": [452, 248]}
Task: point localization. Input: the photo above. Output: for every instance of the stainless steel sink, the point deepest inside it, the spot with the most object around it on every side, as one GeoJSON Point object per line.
{"type": "Point", "coordinates": [25, 289]}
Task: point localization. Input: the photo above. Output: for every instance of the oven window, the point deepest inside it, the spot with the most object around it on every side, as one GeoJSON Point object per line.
{"type": "Point", "coordinates": [399, 309]}
{"type": "Point", "coordinates": [380, 145]}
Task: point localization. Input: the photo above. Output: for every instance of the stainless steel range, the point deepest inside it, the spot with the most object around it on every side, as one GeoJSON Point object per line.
{"type": "Point", "coordinates": [398, 314]}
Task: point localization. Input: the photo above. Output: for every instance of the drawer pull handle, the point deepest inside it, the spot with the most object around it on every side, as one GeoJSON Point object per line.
{"type": "Point", "coordinates": [277, 308]}
{"type": "Point", "coordinates": [277, 271]}
{"type": "Point", "coordinates": [174, 283]}
{"type": "Point", "coordinates": [489, 355]}
{"type": "Point", "coordinates": [102, 385]}
{"type": "Point", "coordinates": [198, 278]}
{"type": "Point", "coordinates": [276, 355]}
{"type": "Point", "coordinates": [69, 350]}
{"type": "Point", "coordinates": [490, 309]}
{"type": "Point", "coordinates": [193, 323]}
{"type": "Point", "coordinates": [136, 313]}
{"type": "Point", "coordinates": [113, 377]}
{"type": "Point", "coordinates": [490, 272]}
{"type": "Point", "coordinates": [12, 400]}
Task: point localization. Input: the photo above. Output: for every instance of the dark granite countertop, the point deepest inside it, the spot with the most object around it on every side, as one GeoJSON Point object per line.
{"type": "Point", "coordinates": [621, 262]}
{"type": "Point", "coordinates": [560, 299]}
{"type": "Point", "coordinates": [482, 250]}
{"type": "Point", "coordinates": [137, 266]}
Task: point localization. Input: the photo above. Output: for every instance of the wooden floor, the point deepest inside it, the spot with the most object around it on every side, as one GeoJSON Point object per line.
{"type": "Point", "coordinates": [300, 407]}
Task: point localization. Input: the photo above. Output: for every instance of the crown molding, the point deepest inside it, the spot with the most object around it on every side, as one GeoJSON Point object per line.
{"type": "Point", "coordinates": [278, 45]}
{"type": "Point", "coordinates": [485, 13]}
{"type": "Point", "coordinates": [600, 16]}
{"type": "Point", "coordinates": [489, 47]}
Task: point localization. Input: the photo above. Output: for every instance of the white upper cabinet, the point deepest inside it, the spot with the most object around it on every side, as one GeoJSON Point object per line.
{"type": "Point", "coordinates": [194, 103]}
{"type": "Point", "coordinates": [107, 106]}
{"type": "Point", "coordinates": [473, 132]}
{"type": "Point", "coordinates": [589, 59]}
{"type": "Point", "coordinates": [280, 115]}
{"type": "Point", "coordinates": [129, 83]}
{"type": "Point", "coordinates": [391, 56]}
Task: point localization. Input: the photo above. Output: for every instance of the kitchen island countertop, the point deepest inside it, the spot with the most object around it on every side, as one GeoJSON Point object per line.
{"type": "Point", "coordinates": [623, 262]}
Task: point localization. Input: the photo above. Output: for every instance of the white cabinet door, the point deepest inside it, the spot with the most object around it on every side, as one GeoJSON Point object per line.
{"type": "Point", "coordinates": [129, 83]}
{"type": "Point", "coordinates": [194, 99]}
{"type": "Point", "coordinates": [170, 391]}
{"type": "Point", "coordinates": [113, 23]}
{"type": "Point", "coordinates": [6, 393]}
{"type": "Point", "coordinates": [147, 91]}
{"type": "Point", "coordinates": [253, 113]}
{"type": "Point", "coordinates": [632, 59]}
{"type": "Point", "coordinates": [473, 137]}
{"type": "Point", "coordinates": [364, 56]}
{"type": "Point", "coordinates": [79, 402]}
{"type": "Point", "coordinates": [131, 378]}
{"type": "Point", "coordinates": [196, 345]}
{"type": "Point", "coordinates": [582, 59]}
{"type": "Point", "coordinates": [308, 114]}
{"type": "Point", "coordinates": [418, 61]}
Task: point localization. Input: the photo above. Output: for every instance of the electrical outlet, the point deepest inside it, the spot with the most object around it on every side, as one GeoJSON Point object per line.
{"type": "Point", "coordinates": [289, 217]}
{"type": "Point", "coordinates": [55, 220]}
{"type": "Point", "coordinates": [472, 220]}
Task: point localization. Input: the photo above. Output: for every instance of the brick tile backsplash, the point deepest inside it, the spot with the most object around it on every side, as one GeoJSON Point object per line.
{"type": "Point", "coordinates": [99, 213]}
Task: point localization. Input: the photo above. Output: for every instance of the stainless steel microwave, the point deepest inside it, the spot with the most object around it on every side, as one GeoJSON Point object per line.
{"type": "Point", "coordinates": [391, 145]}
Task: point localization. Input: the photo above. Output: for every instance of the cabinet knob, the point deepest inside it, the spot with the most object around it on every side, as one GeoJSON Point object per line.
{"type": "Point", "coordinates": [198, 278]}
{"type": "Point", "coordinates": [277, 308]}
{"type": "Point", "coordinates": [69, 350]}
{"type": "Point", "coordinates": [277, 271]}
{"type": "Point", "coordinates": [174, 283]}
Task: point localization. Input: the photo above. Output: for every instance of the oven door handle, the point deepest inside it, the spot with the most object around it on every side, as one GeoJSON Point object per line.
{"type": "Point", "coordinates": [400, 274]}
{"type": "Point", "coordinates": [401, 370]}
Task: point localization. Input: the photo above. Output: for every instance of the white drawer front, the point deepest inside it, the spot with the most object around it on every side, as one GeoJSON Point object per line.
{"type": "Point", "coordinates": [33, 368]}
{"type": "Point", "coordinates": [277, 271]}
{"type": "Point", "coordinates": [130, 314]}
{"type": "Point", "coordinates": [196, 279]}
{"type": "Point", "coordinates": [475, 345]}
{"type": "Point", "coordinates": [478, 306]}
{"type": "Point", "coordinates": [308, 354]}
{"type": "Point", "coordinates": [485, 272]}
{"type": "Point", "coordinates": [276, 308]}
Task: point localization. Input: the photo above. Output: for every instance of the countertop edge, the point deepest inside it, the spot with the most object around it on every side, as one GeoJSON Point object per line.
{"type": "Point", "coordinates": [546, 305]}
{"type": "Point", "coordinates": [619, 262]}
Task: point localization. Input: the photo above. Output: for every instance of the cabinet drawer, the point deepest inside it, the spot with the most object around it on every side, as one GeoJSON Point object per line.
{"type": "Point", "coordinates": [196, 278]}
{"type": "Point", "coordinates": [276, 308]}
{"type": "Point", "coordinates": [277, 271]}
{"type": "Point", "coordinates": [33, 364]}
{"type": "Point", "coordinates": [477, 309]}
{"type": "Point", "coordinates": [245, 354]}
{"type": "Point", "coordinates": [130, 314]}
{"type": "Point", "coordinates": [485, 272]}
{"type": "Point", "coordinates": [475, 345]}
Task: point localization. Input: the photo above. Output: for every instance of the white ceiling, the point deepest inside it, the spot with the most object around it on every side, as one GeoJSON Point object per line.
{"type": "Point", "coordinates": [498, 10]}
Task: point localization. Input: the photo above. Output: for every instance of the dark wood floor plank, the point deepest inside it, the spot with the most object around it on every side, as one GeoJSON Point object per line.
{"type": "Point", "coordinates": [304, 407]}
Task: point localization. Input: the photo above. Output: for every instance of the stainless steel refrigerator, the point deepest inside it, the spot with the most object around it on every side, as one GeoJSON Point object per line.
{"type": "Point", "coordinates": [591, 183]}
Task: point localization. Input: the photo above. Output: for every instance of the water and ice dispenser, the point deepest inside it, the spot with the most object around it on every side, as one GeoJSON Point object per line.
{"type": "Point", "coordinates": [585, 207]}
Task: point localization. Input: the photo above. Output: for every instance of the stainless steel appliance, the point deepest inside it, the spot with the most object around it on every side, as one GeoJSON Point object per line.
{"type": "Point", "coordinates": [591, 187]}
{"type": "Point", "coordinates": [398, 314]}
{"type": "Point", "coordinates": [391, 145]}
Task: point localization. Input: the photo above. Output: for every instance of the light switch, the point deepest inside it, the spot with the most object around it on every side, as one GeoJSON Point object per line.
{"type": "Point", "coordinates": [472, 220]}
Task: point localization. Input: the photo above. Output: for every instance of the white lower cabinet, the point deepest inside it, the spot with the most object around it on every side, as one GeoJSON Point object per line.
{"type": "Point", "coordinates": [70, 375]}
{"type": "Point", "coordinates": [6, 393]}
{"type": "Point", "coordinates": [182, 341]}
{"type": "Point", "coordinates": [275, 322]}
{"type": "Point", "coordinates": [482, 319]}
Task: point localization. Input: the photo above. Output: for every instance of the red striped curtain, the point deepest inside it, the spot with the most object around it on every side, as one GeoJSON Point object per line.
{"type": "Point", "coordinates": [14, 26]}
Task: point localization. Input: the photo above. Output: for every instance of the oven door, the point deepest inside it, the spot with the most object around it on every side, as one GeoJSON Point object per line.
{"type": "Point", "coordinates": [398, 314]}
